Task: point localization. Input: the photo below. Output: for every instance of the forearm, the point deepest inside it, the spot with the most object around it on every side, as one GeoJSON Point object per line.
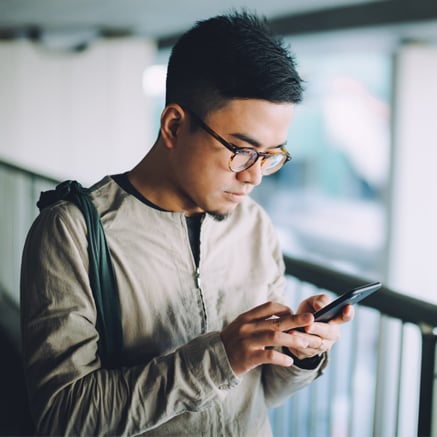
{"type": "Point", "coordinates": [134, 400]}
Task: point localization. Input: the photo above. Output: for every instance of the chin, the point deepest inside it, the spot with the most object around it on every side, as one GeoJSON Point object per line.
{"type": "Point", "coordinates": [222, 212]}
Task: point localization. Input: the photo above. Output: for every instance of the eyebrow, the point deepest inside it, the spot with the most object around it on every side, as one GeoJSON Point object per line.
{"type": "Point", "coordinates": [252, 141]}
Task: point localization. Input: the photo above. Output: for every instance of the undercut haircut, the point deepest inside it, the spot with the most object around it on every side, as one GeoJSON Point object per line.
{"type": "Point", "coordinates": [233, 56]}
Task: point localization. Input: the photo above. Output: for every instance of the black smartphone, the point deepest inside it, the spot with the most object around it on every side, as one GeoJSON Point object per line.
{"type": "Point", "coordinates": [353, 296]}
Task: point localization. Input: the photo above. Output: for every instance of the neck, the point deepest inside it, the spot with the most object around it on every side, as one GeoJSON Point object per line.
{"type": "Point", "coordinates": [154, 179]}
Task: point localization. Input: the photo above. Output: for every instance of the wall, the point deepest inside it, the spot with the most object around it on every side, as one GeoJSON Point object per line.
{"type": "Point", "coordinates": [74, 115]}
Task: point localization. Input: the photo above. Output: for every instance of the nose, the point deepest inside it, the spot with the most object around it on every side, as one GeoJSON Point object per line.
{"type": "Point", "coordinates": [252, 175]}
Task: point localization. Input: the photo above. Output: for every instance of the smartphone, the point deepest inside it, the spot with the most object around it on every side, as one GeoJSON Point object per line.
{"type": "Point", "coordinates": [352, 297]}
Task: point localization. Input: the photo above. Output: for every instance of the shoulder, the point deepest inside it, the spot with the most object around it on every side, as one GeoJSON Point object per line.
{"type": "Point", "coordinates": [57, 225]}
{"type": "Point", "coordinates": [63, 219]}
{"type": "Point", "coordinates": [107, 195]}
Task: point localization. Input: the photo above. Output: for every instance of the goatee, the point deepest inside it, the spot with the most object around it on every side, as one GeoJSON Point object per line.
{"type": "Point", "coordinates": [218, 217]}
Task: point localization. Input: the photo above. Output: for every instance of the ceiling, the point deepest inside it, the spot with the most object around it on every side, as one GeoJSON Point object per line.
{"type": "Point", "coordinates": [162, 20]}
{"type": "Point", "coordinates": [152, 18]}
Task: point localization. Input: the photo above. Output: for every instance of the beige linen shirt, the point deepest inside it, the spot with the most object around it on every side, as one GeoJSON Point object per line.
{"type": "Point", "coordinates": [176, 378]}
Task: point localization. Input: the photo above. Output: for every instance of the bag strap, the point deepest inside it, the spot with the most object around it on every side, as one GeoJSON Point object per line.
{"type": "Point", "coordinates": [101, 271]}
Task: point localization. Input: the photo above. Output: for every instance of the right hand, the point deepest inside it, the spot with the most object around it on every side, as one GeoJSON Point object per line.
{"type": "Point", "coordinates": [249, 338]}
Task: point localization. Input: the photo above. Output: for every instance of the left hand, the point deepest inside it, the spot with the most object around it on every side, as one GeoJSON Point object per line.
{"type": "Point", "coordinates": [319, 336]}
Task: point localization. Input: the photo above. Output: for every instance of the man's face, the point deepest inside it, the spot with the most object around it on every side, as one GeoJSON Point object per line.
{"type": "Point", "coordinates": [204, 182]}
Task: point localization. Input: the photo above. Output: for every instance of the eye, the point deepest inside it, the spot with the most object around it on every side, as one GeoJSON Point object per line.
{"type": "Point", "coordinates": [244, 151]}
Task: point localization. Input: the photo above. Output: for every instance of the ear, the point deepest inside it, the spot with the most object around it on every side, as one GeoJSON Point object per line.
{"type": "Point", "coordinates": [172, 117]}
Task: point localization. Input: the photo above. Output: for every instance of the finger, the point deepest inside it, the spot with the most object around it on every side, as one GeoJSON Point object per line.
{"type": "Point", "coordinates": [317, 346]}
{"type": "Point", "coordinates": [265, 310]}
{"type": "Point", "coordinates": [348, 313]}
{"type": "Point", "coordinates": [297, 321]}
{"type": "Point", "coordinates": [308, 341]}
{"type": "Point", "coordinates": [314, 303]}
{"type": "Point", "coordinates": [270, 338]}
{"type": "Point", "coordinates": [284, 323]}
{"type": "Point", "coordinates": [329, 331]}
{"type": "Point", "coordinates": [320, 301]}
{"type": "Point", "coordinates": [271, 356]}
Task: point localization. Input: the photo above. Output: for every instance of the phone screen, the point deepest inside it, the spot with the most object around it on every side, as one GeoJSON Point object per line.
{"type": "Point", "coordinates": [352, 297]}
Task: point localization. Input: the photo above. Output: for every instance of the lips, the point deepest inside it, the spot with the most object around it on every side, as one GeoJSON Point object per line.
{"type": "Point", "coordinates": [245, 192]}
{"type": "Point", "coordinates": [235, 196]}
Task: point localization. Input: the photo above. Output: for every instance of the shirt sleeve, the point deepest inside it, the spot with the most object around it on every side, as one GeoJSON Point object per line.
{"type": "Point", "coordinates": [70, 393]}
{"type": "Point", "coordinates": [281, 382]}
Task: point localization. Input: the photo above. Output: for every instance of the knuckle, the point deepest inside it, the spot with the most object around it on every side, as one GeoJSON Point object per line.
{"type": "Point", "coordinates": [324, 297]}
{"type": "Point", "coordinates": [302, 343]}
{"type": "Point", "coordinates": [243, 318]}
{"type": "Point", "coordinates": [276, 336]}
{"type": "Point", "coordinates": [242, 330]}
{"type": "Point", "coordinates": [276, 323]}
{"type": "Point", "coordinates": [272, 336]}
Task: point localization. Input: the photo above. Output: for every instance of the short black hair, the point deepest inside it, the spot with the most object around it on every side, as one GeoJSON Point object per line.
{"type": "Point", "coordinates": [228, 57]}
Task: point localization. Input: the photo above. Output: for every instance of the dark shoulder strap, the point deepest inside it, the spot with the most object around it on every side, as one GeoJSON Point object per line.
{"type": "Point", "coordinates": [101, 271]}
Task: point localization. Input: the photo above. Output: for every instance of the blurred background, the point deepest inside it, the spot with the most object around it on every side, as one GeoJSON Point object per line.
{"type": "Point", "coordinates": [82, 88]}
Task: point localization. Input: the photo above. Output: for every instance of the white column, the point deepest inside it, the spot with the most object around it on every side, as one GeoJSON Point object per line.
{"type": "Point", "coordinates": [413, 246]}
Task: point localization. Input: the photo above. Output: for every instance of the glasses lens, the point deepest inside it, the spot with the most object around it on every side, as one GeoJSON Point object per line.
{"type": "Point", "coordinates": [243, 159]}
{"type": "Point", "coordinates": [273, 163]}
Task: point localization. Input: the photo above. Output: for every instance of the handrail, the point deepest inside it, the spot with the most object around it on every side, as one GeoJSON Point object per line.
{"type": "Point", "coordinates": [10, 319]}
{"type": "Point", "coordinates": [389, 302]}
{"type": "Point", "coordinates": [30, 173]}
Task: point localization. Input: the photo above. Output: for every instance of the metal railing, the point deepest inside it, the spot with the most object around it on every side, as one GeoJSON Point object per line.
{"type": "Point", "coordinates": [387, 307]}
{"type": "Point", "coordinates": [19, 192]}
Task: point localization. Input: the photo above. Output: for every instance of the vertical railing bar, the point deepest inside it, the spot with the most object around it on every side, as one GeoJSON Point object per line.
{"type": "Point", "coordinates": [332, 383]}
{"type": "Point", "coordinates": [314, 399]}
{"type": "Point", "coordinates": [433, 384]}
{"type": "Point", "coordinates": [400, 373]}
{"type": "Point", "coordinates": [299, 404]}
{"type": "Point", "coordinates": [295, 402]}
{"type": "Point", "coordinates": [378, 406]}
{"type": "Point", "coordinates": [352, 369]}
{"type": "Point", "coordinates": [426, 382]}
{"type": "Point", "coordinates": [311, 417]}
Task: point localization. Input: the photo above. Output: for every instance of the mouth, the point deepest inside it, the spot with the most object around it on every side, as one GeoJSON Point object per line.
{"type": "Point", "coordinates": [234, 196]}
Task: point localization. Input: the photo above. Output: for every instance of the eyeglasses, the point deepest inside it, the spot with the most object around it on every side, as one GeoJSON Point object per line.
{"type": "Point", "coordinates": [244, 157]}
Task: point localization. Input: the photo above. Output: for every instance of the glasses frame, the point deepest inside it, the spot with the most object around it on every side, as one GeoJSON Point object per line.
{"type": "Point", "coordinates": [236, 150]}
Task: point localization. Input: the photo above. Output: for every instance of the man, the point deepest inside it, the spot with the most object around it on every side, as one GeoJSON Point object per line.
{"type": "Point", "coordinates": [209, 345]}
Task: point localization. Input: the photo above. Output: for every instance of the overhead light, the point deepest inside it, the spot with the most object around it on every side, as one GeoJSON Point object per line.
{"type": "Point", "coordinates": [154, 80]}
